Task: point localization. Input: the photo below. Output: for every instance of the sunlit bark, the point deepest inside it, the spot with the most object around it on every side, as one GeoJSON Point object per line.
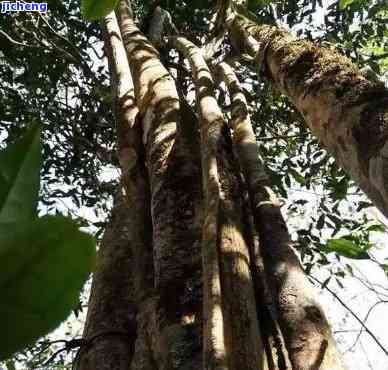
{"type": "Point", "coordinates": [175, 320]}
{"type": "Point", "coordinates": [167, 226]}
{"type": "Point", "coordinates": [344, 110]}
{"type": "Point", "coordinates": [223, 230]}
{"type": "Point", "coordinates": [110, 329]}
{"type": "Point", "coordinates": [307, 333]}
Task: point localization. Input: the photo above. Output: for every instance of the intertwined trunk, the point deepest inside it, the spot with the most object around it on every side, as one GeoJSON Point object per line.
{"type": "Point", "coordinates": [223, 234]}
{"type": "Point", "coordinates": [123, 274]}
{"type": "Point", "coordinates": [306, 331]}
{"type": "Point", "coordinates": [181, 281]}
{"type": "Point", "coordinates": [176, 211]}
{"type": "Point", "coordinates": [110, 329]}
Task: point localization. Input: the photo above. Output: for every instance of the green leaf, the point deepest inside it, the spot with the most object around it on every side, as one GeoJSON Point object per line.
{"type": "Point", "coordinates": [43, 265]}
{"type": "Point", "coordinates": [385, 268]}
{"type": "Point", "coordinates": [97, 9]}
{"type": "Point", "coordinates": [345, 248]}
{"type": "Point", "coordinates": [10, 365]}
{"type": "Point", "coordinates": [345, 3]}
{"type": "Point", "coordinates": [379, 228]}
{"type": "Point", "coordinates": [19, 177]}
{"type": "Point", "coordinates": [324, 284]}
{"type": "Point", "coordinates": [321, 222]}
{"type": "Point", "coordinates": [340, 188]}
{"type": "Point", "coordinates": [297, 176]}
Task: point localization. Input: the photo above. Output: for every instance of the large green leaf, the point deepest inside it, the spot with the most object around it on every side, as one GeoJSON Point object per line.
{"type": "Point", "coordinates": [19, 177]}
{"type": "Point", "coordinates": [43, 266]}
{"type": "Point", "coordinates": [97, 9]}
{"type": "Point", "coordinates": [346, 248]}
{"type": "Point", "coordinates": [345, 3]}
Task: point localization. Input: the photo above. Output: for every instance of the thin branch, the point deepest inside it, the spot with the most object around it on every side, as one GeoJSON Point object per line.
{"type": "Point", "coordinates": [18, 43]}
{"type": "Point", "coordinates": [95, 52]}
{"type": "Point", "coordinates": [366, 356]}
{"type": "Point", "coordinates": [270, 138]}
{"type": "Point", "coordinates": [76, 58]}
{"type": "Point", "coordinates": [347, 331]}
{"type": "Point", "coordinates": [335, 295]}
{"type": "Point", "coordinates": [60, 36]}
{"type": "Point", "coordinates": [365, 320]}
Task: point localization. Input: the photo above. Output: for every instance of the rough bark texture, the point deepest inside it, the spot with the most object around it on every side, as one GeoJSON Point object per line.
{"type": "Point", "coordinates": [146, 304]}
{"type": "Point", "coordinates": [306, 331]}
{"type": "Point", "coordinates": [347, 112]}
{"type": "Point", "coordinates": [222, 238]}
{"type": "Point", "coordinates": [110, 327]}
{"type": "Point", "coordinates": [175, 207]}
{"type": "Point", "coordinates": [273, 341]}
{"type": "Point", "coordinates": [214, 353]}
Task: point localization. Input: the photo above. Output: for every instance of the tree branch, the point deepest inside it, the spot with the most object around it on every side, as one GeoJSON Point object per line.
{"type": "Point", "coordinates": [343, 304]}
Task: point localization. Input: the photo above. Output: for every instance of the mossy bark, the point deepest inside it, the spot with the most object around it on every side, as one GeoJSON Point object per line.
{"type": "Point", "coordinates": [305, 329]}
{"type": "Point", "coordinates": [344, 110]}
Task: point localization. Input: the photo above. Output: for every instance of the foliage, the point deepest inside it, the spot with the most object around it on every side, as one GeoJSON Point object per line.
{"type": "Point", "coordinates": [347, 248]}
{"type": "Point", "coordinates": [44, 262]}
{"type": "Point", "coordinates": [345, 3]}
{"type": "Point", "coordinates": [53, 72]}
{"type": "Point", "coordinates": [96, 9]}
{"type": "Point", "coordinates": [60, 81]}
{"type": "Point", "coordinates": [19, 176]}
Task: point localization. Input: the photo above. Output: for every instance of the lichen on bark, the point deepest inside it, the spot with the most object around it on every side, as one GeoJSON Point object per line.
{"type": "Point", "coordinates": [335, 99]}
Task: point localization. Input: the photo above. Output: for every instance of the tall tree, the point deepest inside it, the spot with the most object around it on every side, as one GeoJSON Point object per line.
{"type": "Point", "coordinates": [196, 268]}
{"type": "Point", "coordinates": [227, 242]}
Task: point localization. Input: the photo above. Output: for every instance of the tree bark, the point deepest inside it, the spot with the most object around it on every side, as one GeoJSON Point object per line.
{"type": "Point", "coordinates": [110, 328]}
{"type": "Point", "coordinates": [214, 352]}
{"type": "Point", "coordinates": [223, 234]}
{"type": "Point", "coordinates": [305, 328]}
{"type": "Point", "coordinates": [123, 272]}
{"type": "Point", "coordinates": [145, 309]}
{"type": "Point", "coordinates": [344, 110]}
{"type": "Point", "coordinates": [175, 206]}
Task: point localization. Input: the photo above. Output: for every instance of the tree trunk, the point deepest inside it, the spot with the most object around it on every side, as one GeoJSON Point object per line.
{"type": "Point", "coordinates": [123, 268]}
{"type": "Point", "coordinates": [223, 230]}
{"type": "Point", "coordinates": [110, 328]}
{"type": "Point", "coordinates": [344, 110]}
{"type": "Point", "coordinates": [147, 289]}
{"type": "Point", "coordinates": [175, 205]}
{"type": "Point", "coordinates": [304, 326]}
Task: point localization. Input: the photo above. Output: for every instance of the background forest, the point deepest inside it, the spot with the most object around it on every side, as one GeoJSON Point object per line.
{"type": "Point", "coordinates": [54, 72]}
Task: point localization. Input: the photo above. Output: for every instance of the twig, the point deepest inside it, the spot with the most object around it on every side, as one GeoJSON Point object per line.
{"type": "Point", "coordinates": [10, 39]}
{"type": "Point", "coordinates": [365, 319]}
{"type": "Point", "coordinates": [353, 314]}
